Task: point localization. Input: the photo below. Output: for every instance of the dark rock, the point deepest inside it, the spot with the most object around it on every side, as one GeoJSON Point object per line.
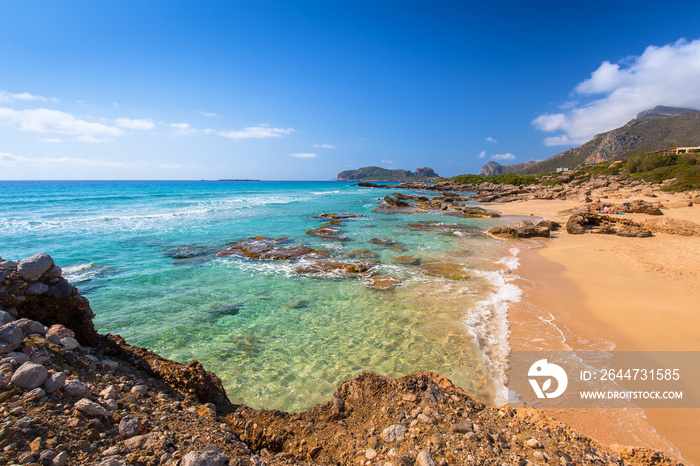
{"type": "Point", "coordinates": [393, 202]}
{"type": "Point", "coordinates": [382, 241]}
{"type": "Point", "coordinates": [263, 251]}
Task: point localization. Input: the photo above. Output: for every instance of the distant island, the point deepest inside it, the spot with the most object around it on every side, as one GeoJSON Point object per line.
{"type": "Point", "coordinates": [226, 179]}
{"type": "Point", "coordinates": [384, 174]}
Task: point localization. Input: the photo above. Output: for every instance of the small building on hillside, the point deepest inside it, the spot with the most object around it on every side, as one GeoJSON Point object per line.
{"type": "Point", "coordinates": [679, 150]}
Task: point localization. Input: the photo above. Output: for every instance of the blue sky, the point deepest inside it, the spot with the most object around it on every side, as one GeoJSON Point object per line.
{"type": "Point", "coordinates": [305, 89]}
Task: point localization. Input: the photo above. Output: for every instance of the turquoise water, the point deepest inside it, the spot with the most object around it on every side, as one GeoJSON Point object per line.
{"type": "Point", "coordinates": [143, 253]}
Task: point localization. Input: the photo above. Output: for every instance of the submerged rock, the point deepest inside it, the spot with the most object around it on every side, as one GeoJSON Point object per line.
{"type": "Point", "coordinates": [445, 270]}
{"type": "Point", "coordinates": [336, 268]}
{"type": "Point", "coordinates": [406, 260]}
{"type": "Point", "coordinates": [264, 251]}
{"type": "Point", "coordinates": [382, 282]}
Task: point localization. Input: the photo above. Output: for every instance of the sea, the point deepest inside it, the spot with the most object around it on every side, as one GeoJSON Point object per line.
{"type": "Point", "coordinates": [144, 254]}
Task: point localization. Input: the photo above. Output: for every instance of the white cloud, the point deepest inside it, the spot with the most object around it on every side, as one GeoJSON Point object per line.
{"type": "Point", "coordinates": [8, 159]}
{"type": "Point", "coordinates": [43, 120]}
{"type": "Point", "coordinates": [92, 139]}
{"type": "Point", "coordinates": [134, 124]}
{"type": "Point", "coordinates": [206, 114]}
{"type": "Point", "coordinates": [256, 132]}
{"type": "Point", "coordinates": [182, 129]}
{"type": "Point", "coordinates": [507, 156]}
{"type": "Point", "coordinates": [325, 146]}
{"type": "Point", "coordinates": [615, 93]}
{"type": "Point", "coordinates": [51, 140]}
{"type": "Point", "coordinates": [490, 139]}
{"type": "Point", "coordinates": [387, 161]}
{"type": "Point", "coordinates": [481, 154]}
{"type": "Point", "coordinates": [304, 155]}
{"type": "Point", "coordinates": [7, 97]}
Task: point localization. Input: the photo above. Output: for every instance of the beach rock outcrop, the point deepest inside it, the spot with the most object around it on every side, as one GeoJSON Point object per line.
{"type": "Point", "coordinates": [450, 271]}
{"type": "Point", "coordinates": [672, 226]}
{"type": "Point", "coordinates": [524, 229]}
{"type": "Point", "coordinates": [633, 207]}
{"type": "Point", "coordinates": [582, 223]}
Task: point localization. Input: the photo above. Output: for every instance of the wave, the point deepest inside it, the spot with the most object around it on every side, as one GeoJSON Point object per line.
{"type": "Point", "coordinates": [488, 323]}
{"type": "Point", "coordinates": [80, 273]}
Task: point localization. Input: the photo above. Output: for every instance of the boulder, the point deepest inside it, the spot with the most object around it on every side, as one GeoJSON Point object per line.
{"type": "Point", "coordinates": [393, 202]}
{"type": "Point", "coordinates": [32, 268]}
{"type": "Point", "coordinates": [30, 376]}
{"type": "Point", "coordinates": [470, 211]}
{"type": "Point", "coordinates": [11, 336]}
{"type": "Point", "coordinates": [524, 229]}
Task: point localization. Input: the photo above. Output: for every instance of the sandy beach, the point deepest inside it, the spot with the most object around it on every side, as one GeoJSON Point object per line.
{"type": "Point", "coordinates": [598, 292]}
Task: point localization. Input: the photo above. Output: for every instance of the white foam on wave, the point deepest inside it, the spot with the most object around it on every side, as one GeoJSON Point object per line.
{"type": "Point", "coordinates": [321, 193]}
{"type": "Point", "coordinates": [86, 271]}
{"type": "Point", "coordinates": [488, 323]}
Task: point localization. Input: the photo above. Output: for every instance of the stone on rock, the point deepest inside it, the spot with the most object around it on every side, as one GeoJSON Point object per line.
{"type": "Point", "coordinates": [91, 408]}
{"type": "Point", "coordinates": [424, 459]}
{"type": "Point", "coordinates": [210, 456]}
{"type": "Point", "coordinates": [111, 405]}
{"type": "Point", "coordinates": [32, 268]}
{"type": "Point", "coordinates": [128, 427]}
{"type": "Point", "coordinates": [5, 318]}
{"type": "Point", "coordinates": [69, 343]}
{"type": "Point", "coordinates": [35, 394]}
{"type": "Point", "coordinates": [30, 327]}
{"type": "Point", "coordinates": [18, 356]}
{"type": "Point", "coordinates": [75, 387]}
{"type": "Point", "coordinates": [139, 390]}
{"type": "Point", "coordinates": [37, 288]}
{"type": "Point", "coordinates": [30, 376]}
{"type": "Point", "coordinates": [394, 433]}
{"type": "Point", "coordinates": [55, 382]}
{"type": "Point", "coordinates": [61, 459]}
{"type": "Point", "coordinates": [109, 393]}
{"type": "Point", "coordinates": [533, 443]}
{"type": "Point", "coordinates": [11, 337]}
{"type": "Point", "coordinates": [57, 332]}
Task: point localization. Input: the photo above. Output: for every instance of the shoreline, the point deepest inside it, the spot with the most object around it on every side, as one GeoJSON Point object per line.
{"type": "Point", "coordinates": [599, 292]}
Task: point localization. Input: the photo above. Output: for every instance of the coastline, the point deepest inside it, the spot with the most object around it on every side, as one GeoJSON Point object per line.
{"type": "Point", "coordinates": [598, 292]}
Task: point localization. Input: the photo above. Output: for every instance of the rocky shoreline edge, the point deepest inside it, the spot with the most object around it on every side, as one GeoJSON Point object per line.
{"type": "Point", "coordinates": [70, 396]}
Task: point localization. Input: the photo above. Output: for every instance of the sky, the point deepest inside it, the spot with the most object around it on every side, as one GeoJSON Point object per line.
{"type": "Point", "coordinates": [301, 90]}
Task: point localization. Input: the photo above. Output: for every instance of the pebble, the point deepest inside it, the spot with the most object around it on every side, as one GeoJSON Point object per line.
{"type": "Point", "coordinates": [111, 451]}
{"type": "Point", "coordinates": [5, 318]}
{"type": "Point", "coordinates": [111, 405]}
{"type": "Point", "coordinates": [60, 459]}
{"type": "Point", "coordinates": [91, 408]}
{"type": "Point", "coordinates": [541, 456]}
{"type": "Point", "coordinates": [394, 433]}
{"type": "Point", "coordinates": [210, 456]}
{"type": "Point", "coordinates": [128, 427]}
{"type": "Point", "coordinates": [37, 288]}
{"type": "Point", "coordinates": [533, 443]}
{"type": "Point", "coordinates": [30, 375]}
{"type": "Point", "coordinates": [423, 418]}
{"type": "Point", "coordinates": [424, 459]}
{"type": "Point", "coordinates": [69, 343]}
{"type": "Point", "coordinates": [18, 356]}
{"type": "Point", "coordinates": [462, 428]}
{"type": "Point", "coordinates": [370, 454]}
{"type": "Point", "coordinates": [35, 394]}
{"type": "Point", "coordinates": [55, 382]}
{"type": "Point", "coordinates": [139, 390]}
{"type": "Point", "coordinates": [11, 337]}
{"type": "Point", "coordinates": [109, 364]}
{"type": "Point", "coordinates": [75, 387]}
{"type": "Point", "coordinates": [109, 393]}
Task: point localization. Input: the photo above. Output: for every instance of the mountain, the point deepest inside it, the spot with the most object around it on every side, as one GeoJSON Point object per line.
{"type": "Point", "coordinates": [384, 174]}
{"type": "Point", "coordinates": [652, 130]}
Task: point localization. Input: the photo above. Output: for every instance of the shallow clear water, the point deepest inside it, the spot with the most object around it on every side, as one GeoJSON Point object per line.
{"type": "Point", "coordinates": [277, 339]}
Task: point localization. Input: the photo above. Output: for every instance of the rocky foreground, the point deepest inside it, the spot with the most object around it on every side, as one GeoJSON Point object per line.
{"type": "Point", "coordinates": [69, 396]}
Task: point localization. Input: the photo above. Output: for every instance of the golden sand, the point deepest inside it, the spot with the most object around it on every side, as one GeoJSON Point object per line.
{"type": "Point", "coordinates": [640, 294]}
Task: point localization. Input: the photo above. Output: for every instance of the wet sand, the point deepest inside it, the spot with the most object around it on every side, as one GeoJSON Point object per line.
{"type": "Point", "coordinates": [590, 292]}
